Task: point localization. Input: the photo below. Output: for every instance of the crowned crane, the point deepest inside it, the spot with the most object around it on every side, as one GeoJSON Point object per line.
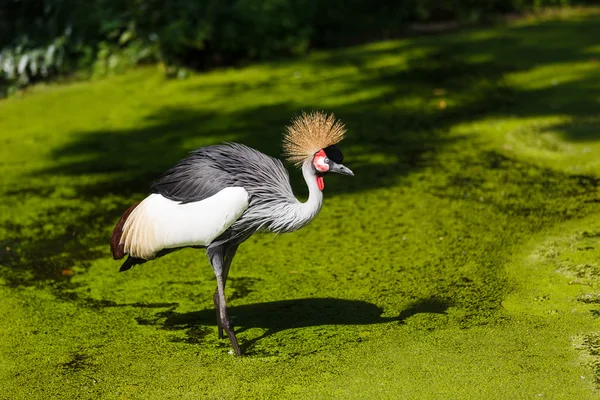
{"type": "Point", "coordinates": [220, 195]}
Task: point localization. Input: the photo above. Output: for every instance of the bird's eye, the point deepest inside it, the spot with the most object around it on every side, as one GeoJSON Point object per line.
{"type": "Point", "coordinates": [326, 160]}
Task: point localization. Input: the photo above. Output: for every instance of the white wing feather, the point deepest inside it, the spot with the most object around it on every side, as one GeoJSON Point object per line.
{"type": "Point", "coordinates": [159, 223]}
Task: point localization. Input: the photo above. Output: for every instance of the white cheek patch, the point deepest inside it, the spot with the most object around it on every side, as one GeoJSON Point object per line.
{"type": "Point", "coordinates": [320, 164]}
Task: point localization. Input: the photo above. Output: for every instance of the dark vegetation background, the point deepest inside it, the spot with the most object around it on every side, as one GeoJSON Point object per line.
{"type": "Point", "coordinates": [43, 39]}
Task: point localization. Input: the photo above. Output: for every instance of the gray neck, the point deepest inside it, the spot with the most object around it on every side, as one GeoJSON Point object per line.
{"type": "Point", "coordinates": [287, 214]}
{"type": "Point", "coordinates": [295, 215]}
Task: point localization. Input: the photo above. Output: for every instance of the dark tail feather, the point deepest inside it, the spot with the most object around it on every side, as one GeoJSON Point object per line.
{"type": "Point", "coordinates": [130, 262]}
{"type": "Point", "coordinates": [117, 249]}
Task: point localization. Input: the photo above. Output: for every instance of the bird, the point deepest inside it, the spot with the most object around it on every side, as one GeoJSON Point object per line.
{"type": "Point", "coordinates": [220, 195]}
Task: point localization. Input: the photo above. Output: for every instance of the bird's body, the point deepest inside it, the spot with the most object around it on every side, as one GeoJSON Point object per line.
{"type": "Point", "coordinates": [272, 204]}
{"type": "Point", "coordinates": [218, 197]}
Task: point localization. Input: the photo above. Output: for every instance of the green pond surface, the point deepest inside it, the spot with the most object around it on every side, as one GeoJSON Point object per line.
{"type": "Point", "coordinates": [461, 261]}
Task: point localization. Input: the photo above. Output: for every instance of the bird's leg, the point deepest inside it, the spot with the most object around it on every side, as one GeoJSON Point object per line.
{"type": "Point", "coordinates": [217, 309]}
{"type": "Point", "coordinates": [218, 263]}
{"type": "Point", "coordinates": [225, 322]}
{"type": "Point", "coordinates": [227, 258]}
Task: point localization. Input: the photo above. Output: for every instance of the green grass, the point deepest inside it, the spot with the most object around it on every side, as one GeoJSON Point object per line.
{"type": "Point", "coordinates": [460, 262]}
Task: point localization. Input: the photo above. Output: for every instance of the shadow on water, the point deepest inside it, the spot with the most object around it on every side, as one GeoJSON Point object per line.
{"type": "Point", "coordinates": [432, 305]}
{"type": "Point", "coordinates": [404, 116]}
{"type": "Point", "coordinates": [278, 316]}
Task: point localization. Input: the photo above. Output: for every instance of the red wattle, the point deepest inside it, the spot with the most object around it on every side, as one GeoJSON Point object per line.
{"type": "Point", "coordinates": [320, 182]}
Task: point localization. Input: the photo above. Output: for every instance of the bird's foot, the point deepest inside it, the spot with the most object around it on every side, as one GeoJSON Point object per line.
{"type": "Point", "coordinates": [228, 327]}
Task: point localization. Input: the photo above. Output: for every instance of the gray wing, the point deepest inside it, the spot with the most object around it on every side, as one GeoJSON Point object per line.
{"type": "Point", "coordinates": [209, 170]}
{"type": "Point", "coordinates": [196, 177]}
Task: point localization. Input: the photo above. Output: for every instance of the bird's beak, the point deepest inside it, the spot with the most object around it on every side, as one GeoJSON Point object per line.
{"type": "Point", "coordinates": [340, 169]}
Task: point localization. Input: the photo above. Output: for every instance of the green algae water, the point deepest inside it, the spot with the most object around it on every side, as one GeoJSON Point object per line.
{"type": "Point", "coordinates": [460, 262]}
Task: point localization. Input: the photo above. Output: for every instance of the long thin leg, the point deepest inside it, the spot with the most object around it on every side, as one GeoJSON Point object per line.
{"type": "Point", "coordinates": [228, 257]}
{"type": "Point", "coordinates": [218, 264]}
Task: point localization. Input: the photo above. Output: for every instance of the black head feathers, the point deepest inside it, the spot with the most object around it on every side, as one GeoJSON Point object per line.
{"type": "Point", "coordinates": [334, 154]}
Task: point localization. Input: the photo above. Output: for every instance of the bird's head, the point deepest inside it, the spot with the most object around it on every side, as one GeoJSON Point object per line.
{"type": "Point", "coordinates": [327, 160]}
{"type": "Point", "coordinates": [311, 138]}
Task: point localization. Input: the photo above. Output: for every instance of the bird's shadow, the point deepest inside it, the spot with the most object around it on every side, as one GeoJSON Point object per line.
{"type": "Point", "coordinates": [282, 315]}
